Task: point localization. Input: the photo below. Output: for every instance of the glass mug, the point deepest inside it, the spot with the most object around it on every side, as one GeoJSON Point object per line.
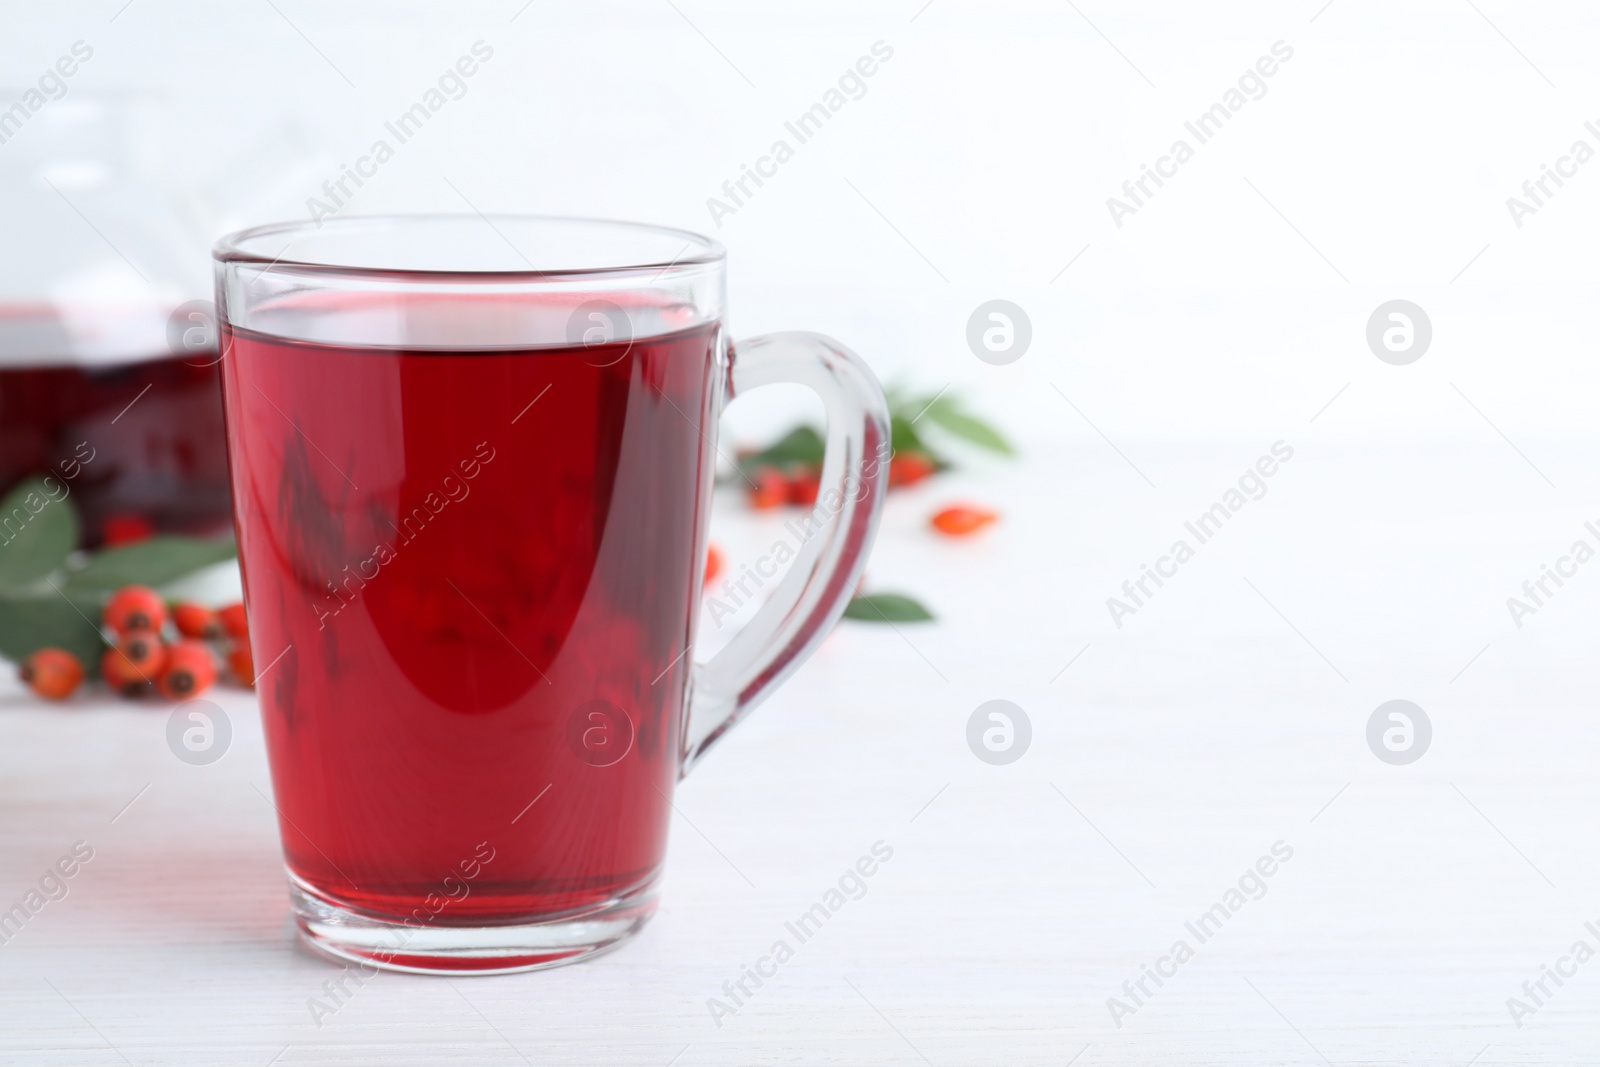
{"type": "Point", "coordinates": [472, 462]}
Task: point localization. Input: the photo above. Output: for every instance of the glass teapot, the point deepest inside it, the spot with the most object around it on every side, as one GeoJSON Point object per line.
{"type": "Point", "coordinates": [108, 366]}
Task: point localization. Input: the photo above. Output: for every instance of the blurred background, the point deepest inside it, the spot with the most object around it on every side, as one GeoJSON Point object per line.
{"type": "Point", "coordinates": [976, 165]}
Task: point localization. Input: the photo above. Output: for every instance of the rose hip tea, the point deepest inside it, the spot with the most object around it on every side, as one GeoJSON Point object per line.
{"type": "Point", "coordinates": [466, 554]}
{"type": "Point", "coordinates": [471, 502]}
{"type": "Point", "coordinates": [153, 428]}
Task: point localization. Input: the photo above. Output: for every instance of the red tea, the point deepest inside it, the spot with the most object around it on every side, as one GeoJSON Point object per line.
{"type": "Point", "coordinates": [479, 571]}
{"type": "Point", "coordinates": [155, 430]}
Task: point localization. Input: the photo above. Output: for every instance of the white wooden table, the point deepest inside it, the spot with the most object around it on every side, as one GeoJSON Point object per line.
{"type": "Point", "coordinates": [1228, 714]}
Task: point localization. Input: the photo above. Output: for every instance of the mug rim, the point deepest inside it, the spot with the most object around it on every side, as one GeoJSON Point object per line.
{"type": "Point", "coordinates": [231, 248]}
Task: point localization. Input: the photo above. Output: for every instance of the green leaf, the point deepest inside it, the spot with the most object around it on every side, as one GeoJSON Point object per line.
{"type": "Point", "coordinates": [29, 623]}
{"type": "Point", "coordinates": [951, 418]}
{"type": "Point", "coordinates": [904, 440]}
{"type": "Point", "coordinates": [38, 530]}
{"type": "Point", "coordinates": [154, 562]}
{"type": "Point", "coordinates": [886, 607]}
{"type": "Point", "coordinates": [801, 446]}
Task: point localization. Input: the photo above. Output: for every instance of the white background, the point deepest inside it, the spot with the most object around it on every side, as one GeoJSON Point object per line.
{"type": "Point", "coordinates": [991, 141]}
{"type": "Point", "coordinates": [1229, 713]}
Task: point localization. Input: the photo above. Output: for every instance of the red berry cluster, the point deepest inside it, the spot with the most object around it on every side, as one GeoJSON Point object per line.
{"type": "Point", "coordinates": [771, 487]}
{"type": "Point", "coordinates": [175, 653]}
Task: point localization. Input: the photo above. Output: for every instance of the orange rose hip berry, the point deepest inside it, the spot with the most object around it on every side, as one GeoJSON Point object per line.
{"type": "Point", "coordinates": [234, 622]}
{"type": "Point", "coordinates": [714, 564]}
{"type": "Point", "coordinates": [961, 520]}
{"type": "Point", "coordinates": [134, 608]}
{"type": "Point", "coordinates": [196, 620]}
{"type": "Point", "coordinates": [769, 490]}
{"type": "Point", "coordinates": [242, 664]}
{"type": "Point", "coordinates": [52, 673]}
{"type": "Point", "coordinates": [190, 669]}
{"type": "Point", "coordinates": [134, 664]}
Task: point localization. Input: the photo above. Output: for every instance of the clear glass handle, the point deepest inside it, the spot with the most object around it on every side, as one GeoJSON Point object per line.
{"type": "Point", "coordinates": [830, 542]}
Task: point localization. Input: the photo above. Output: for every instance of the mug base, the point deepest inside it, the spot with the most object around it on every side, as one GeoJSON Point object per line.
{"type": "Point", "coordinates": [355, 937]}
